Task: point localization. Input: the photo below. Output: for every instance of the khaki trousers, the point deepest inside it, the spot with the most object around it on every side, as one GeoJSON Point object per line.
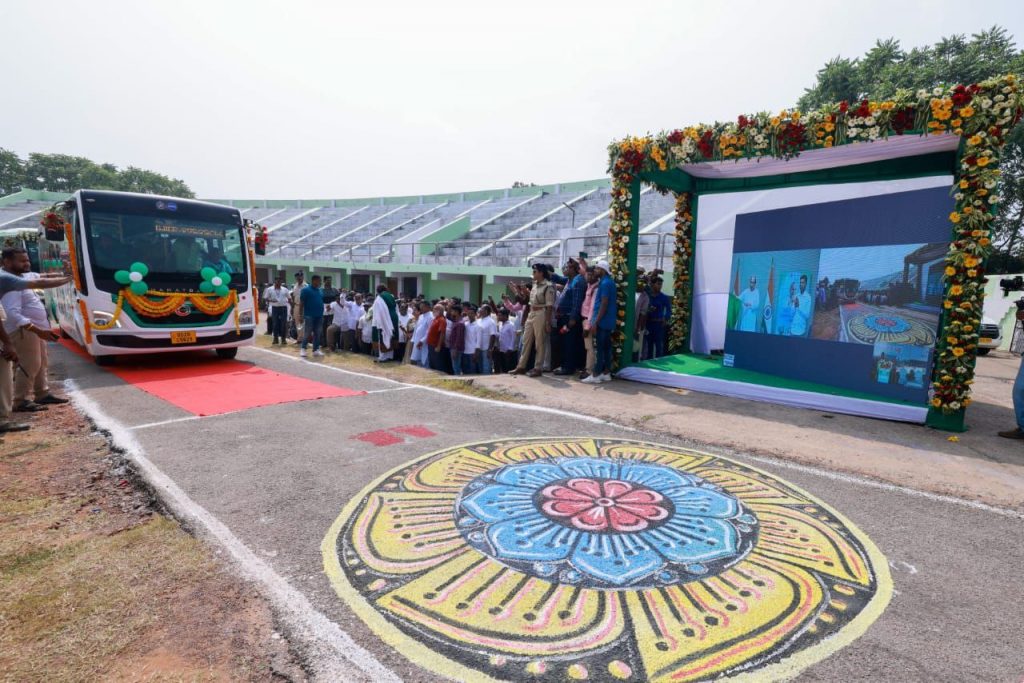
{"type": "Point", "coordinates": [31, 352]}
{"type": "Point", "coordinates": [6, 390]}
{"type": "Point", "coordinates": [535, 333]}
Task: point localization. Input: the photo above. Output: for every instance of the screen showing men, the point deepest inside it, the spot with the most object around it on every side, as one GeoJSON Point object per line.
{"type": "Point", "coordinates": [858, 284]}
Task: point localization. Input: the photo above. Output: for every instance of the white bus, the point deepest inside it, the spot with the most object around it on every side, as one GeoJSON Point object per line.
{"type": "Point", "coordinates": [151, 274]}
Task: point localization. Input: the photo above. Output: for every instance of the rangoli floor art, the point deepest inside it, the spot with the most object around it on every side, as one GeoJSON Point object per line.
{"type": "Point", "coordinates": [604, 560]}
{"type": "Point", "coordinates": [869, 324]}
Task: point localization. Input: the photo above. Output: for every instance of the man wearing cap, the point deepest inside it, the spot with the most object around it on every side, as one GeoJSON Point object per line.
{"type": "Point", "coordinates": [538, 322]}
{"type": "Point", "coordinates": [603, 323]}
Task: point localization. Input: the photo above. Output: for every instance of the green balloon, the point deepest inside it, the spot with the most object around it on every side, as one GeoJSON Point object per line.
{"type": "Point", "coordinates": [224, 277]}
{"type": "Point", "coordinates": [140, 267]}
{"type": "Point", "coordinates": [222, 290]}
{"type": "Point", "coordinates": [208, 273]}
{"type": "Point", "coordinates": [139, 288]}
{"type": "Point", "coordinates": [205, 287]}
{"type": "Point", "coordinates": [123, 277]}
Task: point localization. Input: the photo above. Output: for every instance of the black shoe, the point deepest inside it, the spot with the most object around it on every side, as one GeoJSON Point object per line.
{"type": "Point", "coordinates": [562, 372]}
{"type": "Point", "coordinates": [29, 407]}
{"type": "Point", "coordinates": [1012, 434]}
{"type": "Point", "coordinates": [13, 427]}
{"type": "Point", "coordinates": [51, 400]}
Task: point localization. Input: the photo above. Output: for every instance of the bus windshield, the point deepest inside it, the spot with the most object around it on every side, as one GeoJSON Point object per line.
{"type": "Point", "coordinates": [174, 246]}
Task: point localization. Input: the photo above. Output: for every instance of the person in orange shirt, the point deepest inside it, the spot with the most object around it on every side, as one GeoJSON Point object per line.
{"type": "Point", "coordinates": [435, 338]}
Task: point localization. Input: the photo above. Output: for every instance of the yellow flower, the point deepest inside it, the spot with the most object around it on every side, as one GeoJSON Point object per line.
{"type": "Point", "coordinates": [950, 270]}
{"type": "Point", "coordinates": [974, 140]}
{"type": "Point", "coordinates": [968, 328]}
{"type": "Point", "coordinates": [984, 241]}
{"type": "Point", "coordinates": [983, 161]}
{"type": "Point", "coordinates": [971, 272]}
{"type": "Point", "coordinates": [951, 340]}
{"type": "Point", "coordinates": [776, 120]}
{"type": "Point", "coordinates": [954, 217]}
{"type": "Point", "coordinates": [947, 304]}
{"type": "Point", "coordinates": [956, 290]}
{"type": "Point", "coordinates": [937, 402]}
{"type": "Point", "coordinates": [968, 209]}
{"type": "Point", "coordinates": [953, 438]}
{"type": "Point", "coordinates": [956, 123]}
{"type": "Point", "coordinates": [957, 351]}
{"type": "Point", "coordinates": [967, 112]}
{"type": "Point", "coordinates": [964, 184]}
{"type": "Point", "coordinates": [970, 261]}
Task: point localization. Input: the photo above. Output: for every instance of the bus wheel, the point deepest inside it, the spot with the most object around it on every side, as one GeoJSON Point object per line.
{"type": "Point", "coordinates": [227, 354]}
{"type": "Point", "coordinates": [104, 361]}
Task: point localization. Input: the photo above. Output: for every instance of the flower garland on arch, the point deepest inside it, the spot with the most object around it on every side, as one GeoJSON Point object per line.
{"type": "Point", "coordinates": [681, 276]}
{"type": "Point", "coordinates": [619, 232]}
{"type": "Point", "coordinates": [981, 114]}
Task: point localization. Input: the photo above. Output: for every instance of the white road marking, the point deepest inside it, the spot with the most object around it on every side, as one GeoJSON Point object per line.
{"type": "Point", "coordinates": [171, 421]}
{"type": "Point", "coordinates": [330, 651]}
{"type": "Point", "coordinates": [490, 401]}
{"type": "Point", "coordinates": [808, 469]}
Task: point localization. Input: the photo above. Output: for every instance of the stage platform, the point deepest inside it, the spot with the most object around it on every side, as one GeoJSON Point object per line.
{"type": "Point", "coordinates": [707, 374]}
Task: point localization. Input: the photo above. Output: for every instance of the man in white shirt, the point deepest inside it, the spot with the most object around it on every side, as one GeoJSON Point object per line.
{"type": "Point", "coordinates": [355, 312]}
{"type": "Point", "coordinates": [472, 343]}
{"type": "Point", "coordinates": [366, 329]}
{"type": "Point", "coordinates": [276, 297]}
{"type": "Point", "coordinates": [508, 343]}
{"type": "Point", "coordinates": [419, 336]}
{"type": "Point", "coordinates": [297, 313]}
{"type": "Point", "coordinates": [488, 339]}
{"type": "Point", "coordinates": [404, 333]}
{"type": "Point", "coordinates": [339, 327]}
{"type": "Point", "coordinates": [29, 329]}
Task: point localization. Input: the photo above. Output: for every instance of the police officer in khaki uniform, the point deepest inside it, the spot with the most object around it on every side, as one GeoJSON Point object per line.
{"type": "Point", "coordinates": [538, 322]}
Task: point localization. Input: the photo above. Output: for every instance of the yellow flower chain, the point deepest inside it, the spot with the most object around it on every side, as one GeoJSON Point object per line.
{"type": "Point", "coordinates": [169, 303]}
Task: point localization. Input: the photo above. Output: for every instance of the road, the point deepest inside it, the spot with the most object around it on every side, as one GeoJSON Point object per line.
{"type": "Point", "coordinates": [267, 484]}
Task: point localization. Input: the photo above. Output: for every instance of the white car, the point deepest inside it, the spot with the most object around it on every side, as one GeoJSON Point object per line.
{"type": "Point", "coordinates": [990, 336]}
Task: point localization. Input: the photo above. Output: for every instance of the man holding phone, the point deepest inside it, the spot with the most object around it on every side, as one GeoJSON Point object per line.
{"type": "Point", "coordinates": [29, 329]}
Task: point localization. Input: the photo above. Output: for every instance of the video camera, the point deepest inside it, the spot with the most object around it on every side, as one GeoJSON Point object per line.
{"type": "Point", "coordinates": [1011, 284]}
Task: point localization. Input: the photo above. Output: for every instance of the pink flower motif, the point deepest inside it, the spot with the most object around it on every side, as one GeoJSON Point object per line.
{"type": "Point", "coordinates": [603, 505]}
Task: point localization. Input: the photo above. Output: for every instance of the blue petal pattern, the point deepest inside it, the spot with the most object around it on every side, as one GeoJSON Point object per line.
{"type": "Point", "coordinates": [702, 529]}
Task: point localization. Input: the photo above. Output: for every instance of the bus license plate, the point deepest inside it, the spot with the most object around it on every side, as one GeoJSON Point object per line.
{"type": "Point", "coordinates": [185, 337]}
{"type": "Point", "coordinates": [986, 340]}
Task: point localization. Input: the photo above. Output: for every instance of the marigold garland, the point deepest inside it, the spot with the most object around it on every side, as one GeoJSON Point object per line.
{"type": "Point", "coordinates": [981, 114]}
{"type": "Point", "coordinates": [168, 302]}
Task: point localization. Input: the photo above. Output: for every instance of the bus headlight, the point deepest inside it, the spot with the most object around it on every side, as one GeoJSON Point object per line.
{"type": "Point", "coordinates": [102, 318]}
{"type": "Point", "coordinates": [245, 318]}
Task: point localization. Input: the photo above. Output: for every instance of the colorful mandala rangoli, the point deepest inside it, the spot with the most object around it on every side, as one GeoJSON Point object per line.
{"type": "Point", "coordinates": [894, 329]}
{"type": "Point", "coordinates": [599, 559]}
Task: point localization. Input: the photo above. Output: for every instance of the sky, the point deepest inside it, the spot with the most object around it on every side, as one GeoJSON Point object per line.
{"type": "Point", "coordinates": [863, 263]}
{"type": "Point", "coordinates": [304, 99]}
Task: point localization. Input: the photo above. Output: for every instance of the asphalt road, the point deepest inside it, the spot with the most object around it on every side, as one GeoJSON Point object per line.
{"type": "Point", "coordinates": [278, 476]}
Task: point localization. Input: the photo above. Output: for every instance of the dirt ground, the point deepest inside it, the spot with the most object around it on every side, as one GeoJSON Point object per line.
{"type": "Point", "coordinates": [97, 584]}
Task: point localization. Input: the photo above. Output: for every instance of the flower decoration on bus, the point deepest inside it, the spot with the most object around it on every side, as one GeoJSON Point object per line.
{"type": "Point", "coordinates": [134, 278]}
{"type": "Point", "coordinates": [214, 282]}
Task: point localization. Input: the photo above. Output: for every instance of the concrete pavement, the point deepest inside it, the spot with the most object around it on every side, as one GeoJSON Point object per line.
{"type": "Point", "coordinates": [277, 477]}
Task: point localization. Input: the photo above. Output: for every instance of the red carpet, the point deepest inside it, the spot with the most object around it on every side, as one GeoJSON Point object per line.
{"type": "Point", "coordinates": [206, 385]}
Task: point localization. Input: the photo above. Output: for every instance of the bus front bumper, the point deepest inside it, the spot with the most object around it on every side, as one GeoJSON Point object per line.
{"type": "Point", "coordinates": [123, 343]}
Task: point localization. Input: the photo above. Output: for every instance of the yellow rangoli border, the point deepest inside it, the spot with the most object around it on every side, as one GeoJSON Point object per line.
{"type": "Point", "coordinates": [421, 655]}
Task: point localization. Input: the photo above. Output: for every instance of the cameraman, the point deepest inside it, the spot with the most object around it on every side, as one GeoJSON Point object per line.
{"type": "Point", "coordinates": [1018, 394]}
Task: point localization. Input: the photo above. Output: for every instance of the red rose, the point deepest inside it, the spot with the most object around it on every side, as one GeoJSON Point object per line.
{"type": "Point", "coordinates": [844, 106]}
{"type": "Point", "coordinates": [675, 137]}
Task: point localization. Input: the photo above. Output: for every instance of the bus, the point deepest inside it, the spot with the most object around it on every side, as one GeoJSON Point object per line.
{"type": "Point", "coordinates": [151, 274]}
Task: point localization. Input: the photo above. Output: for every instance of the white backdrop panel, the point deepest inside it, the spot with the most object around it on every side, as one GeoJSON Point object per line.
{"type": "Point", "coordinates": [716, 226]}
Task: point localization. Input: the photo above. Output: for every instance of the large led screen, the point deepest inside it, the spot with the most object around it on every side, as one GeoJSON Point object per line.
{"type": "Point", "coordinates": [846, 293]}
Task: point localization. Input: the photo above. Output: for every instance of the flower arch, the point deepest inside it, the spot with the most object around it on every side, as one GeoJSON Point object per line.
{"type": "Point", "coordinates": [980, 115]}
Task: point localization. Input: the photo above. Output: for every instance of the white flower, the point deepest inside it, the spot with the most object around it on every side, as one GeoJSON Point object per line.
{"type": "Point", "coordinates": [870, 121]}
{"type": "Point", "coordinates": [937, 92]}
{"type": "Point", "coordinates": [986, 103]}
{"type": "Point", "coordinates": [922, 93]}
{"type": "Point", "coordinates": [958, 196]}
{"type": "Point", "coordinates": [999, 98]}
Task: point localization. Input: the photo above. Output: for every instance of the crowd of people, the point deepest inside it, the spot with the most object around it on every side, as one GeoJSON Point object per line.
{"type": "Point", "coordinates": [24, 331]}
{"type": "Point", "coordinates": [560, 323]}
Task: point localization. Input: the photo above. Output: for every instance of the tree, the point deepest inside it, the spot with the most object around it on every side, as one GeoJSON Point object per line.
{"type": "Point", "coordinates": [12, 172]}
{"type": "Point", "coordinates": [65, 173]}
{"type": "Point", "coordinates": [886, 68]}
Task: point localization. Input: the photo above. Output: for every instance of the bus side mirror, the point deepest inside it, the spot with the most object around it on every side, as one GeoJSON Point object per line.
{"type": "Point", "coordinates": [54, 234]}
{"type": "Point", "coordinates": [260, 249]}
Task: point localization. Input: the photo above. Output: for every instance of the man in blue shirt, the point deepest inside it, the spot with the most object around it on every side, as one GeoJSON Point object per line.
{"type": "Point", "coordinates": [659, 309]}
{"type": "Point", "coordinates": [603, 322]}
{"type": "Point", "coordinates": [312, 300]}
{"type": "Point", "coordinates": [569, 320]}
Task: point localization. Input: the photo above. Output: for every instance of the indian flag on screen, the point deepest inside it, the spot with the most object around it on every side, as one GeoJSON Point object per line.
{"type": "Point", "coordinates": [732, 316]}
{"type": "Point", "coordinates": [769, 312]}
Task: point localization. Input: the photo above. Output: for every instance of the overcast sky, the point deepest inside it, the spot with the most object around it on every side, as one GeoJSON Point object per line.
{"type": "Point", "coordinates": [335, 99]}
